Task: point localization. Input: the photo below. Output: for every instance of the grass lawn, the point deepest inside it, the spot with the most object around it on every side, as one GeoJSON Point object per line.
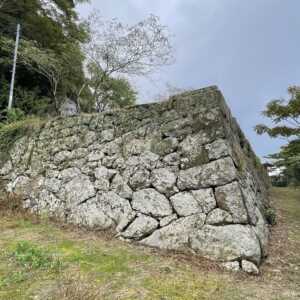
{"type": "Point", "coordinates": [40, 260]}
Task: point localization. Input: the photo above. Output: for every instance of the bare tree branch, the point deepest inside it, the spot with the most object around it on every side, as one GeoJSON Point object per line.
{"type": "Point", "coordinates": [115, 48]}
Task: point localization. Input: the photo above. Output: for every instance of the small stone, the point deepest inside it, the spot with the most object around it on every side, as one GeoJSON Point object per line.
{"type": "Point", "coordinates": [218, 217]}
{"type": "Point", "coordinates": [232, 266]}
{"type": "Point", "coordinates": [164, 181]}
{"type": "Point", "coordinates": [68, 108]}
{"type": "Point", "coordinates": [219, 148]}
{"type": "Point", "coordinates": [120, 187]}
{"type": "Point", "coordinates": [52, 184]}
{"type": "Point", "coordinates": [167, 220]}
{"type": "Point", "coordinates": [107, 135]}
{"type": "Point", "coordinates": [102, 184]}
{"type": "Point", "coordinates": [140, 227]}
{"type": "Point", "coordinates": [62, 156]}
{"type": "Point", "coordinates": [206, 199]}
{"type": "Point", "coordinates": [108, 161]}
{"type": "Point", "coordinates": [89, 138]}
{"type": "Point", "coordinates": [249, 267]}
{"type": "Point", "coordinates": [149, 159]}
{"type": "Point", "coordinates": [95, 156]}
{"type": "Point", "coordinates": [67, 174]}
{"type": "Point", "coordinates": [140, 179]}
{"type": "Point", "coordinates": [101, 172]}
{"type": "Point", "coordinates": [185, 204]}
{"type": "Point", "coordinates": [135, 147]}
{"type": "Point", "coordinates": [124, 220]}
{"type": "Point", "coordinates": [172, 159]}
{"type": "Point", "coordinates": [6, 169]}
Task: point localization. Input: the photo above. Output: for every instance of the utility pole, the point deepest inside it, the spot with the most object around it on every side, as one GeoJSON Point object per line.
{"type": "Point", "coordinates": [12, 83]}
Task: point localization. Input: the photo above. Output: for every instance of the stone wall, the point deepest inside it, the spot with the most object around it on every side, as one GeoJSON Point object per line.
{"type": "Point", "coordinates": [174, 175]}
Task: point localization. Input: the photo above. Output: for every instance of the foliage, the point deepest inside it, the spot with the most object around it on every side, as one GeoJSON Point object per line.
{"type": "Point", "coordinates": [53, 32]}
{"type": "Point", "coordinates": [54, 46]}
{"type": "Point", "coordinates": [285, 115]}
{"type": "Point", "coordinates": [30, 101]}
{"type": "Point", "coordinates": [109, 92]}
{"type": "Point", "coordinates": [14, 115]}
{"type": "Point", "coordinates": [289, 160]}
{"type": "Point", "coordinates": [31, 257]}
{"type": "Point", "coordinates": [271, 216]}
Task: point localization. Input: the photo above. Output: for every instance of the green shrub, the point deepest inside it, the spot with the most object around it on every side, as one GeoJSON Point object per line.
{"type": "Point", "coordinates": [13, 278]}
{"type": "Point", "coordinates": [32, 257]}
{"type": "Point", "coordinates": [271, 216]}
{"type": "Point", "coordinates": [14, 115]}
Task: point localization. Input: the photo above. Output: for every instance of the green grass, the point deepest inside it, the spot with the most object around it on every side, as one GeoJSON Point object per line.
{"type": "Point", "coordinates": [39, 260]}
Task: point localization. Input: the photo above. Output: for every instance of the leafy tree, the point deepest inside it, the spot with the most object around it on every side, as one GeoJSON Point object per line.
{"type": "Point", "coordinates": [285, 115]}
{"type": "Point", "coordinates": [48, 27]}
{"type": "Point", "coordinates": [109, 92]}
{"type": "Point", "coordinates": [116, 49]}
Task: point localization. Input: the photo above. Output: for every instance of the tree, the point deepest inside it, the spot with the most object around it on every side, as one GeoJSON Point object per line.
{"type": "Point", "coordinates": [109, 92]}
{"type": "Point", "coordinates": [285, 115]}
{"type": "Point", "coordinates": [52, 27]}
{"type": "Point", "coordinates": [43, 62]}
{"type": "Point", "coordinates": [114, 48]}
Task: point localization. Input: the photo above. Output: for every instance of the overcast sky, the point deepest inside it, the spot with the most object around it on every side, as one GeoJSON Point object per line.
{"type": "Point", "coordinates": [249, 48]}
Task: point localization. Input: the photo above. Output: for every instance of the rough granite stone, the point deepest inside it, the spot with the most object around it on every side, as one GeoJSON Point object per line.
{"type": "Point", "coordinates": [185, 204]}
{"type": "Point", "coordinates": [167, 220]}
{"type": "Point", "coordinates": [175, 236]}
{"type": "Point", "coordinates": [140, 227]}
{"type": "Point", "coordinates": [226, 243]}
{"type": "Point", "coordinates": [206, 199]}
{"type": "Point", "coordinates": [249, 267]}
{"type": "Point", "coordinates": [232, 266]}
{"type": "Point", "coordinates": [218, 149]}
{"type": "Point", "coordinates": [219, 217]}
{"type": "Point", "coordinates": [216, 173]}
{"type": "Point", "coordinates": [78, 190]}
{"type": "Point", "coordinates": [164, 181]}
{"type": "Point", "coordinates": [150, 202]}
{"type": "Point", "coordinates": [229, 197]}
{"type": "Point", "coordinates": [115, 207]}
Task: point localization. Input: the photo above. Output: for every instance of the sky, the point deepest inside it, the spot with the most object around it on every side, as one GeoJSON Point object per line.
{"type": "Point", "coordinates": [249, 49]}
